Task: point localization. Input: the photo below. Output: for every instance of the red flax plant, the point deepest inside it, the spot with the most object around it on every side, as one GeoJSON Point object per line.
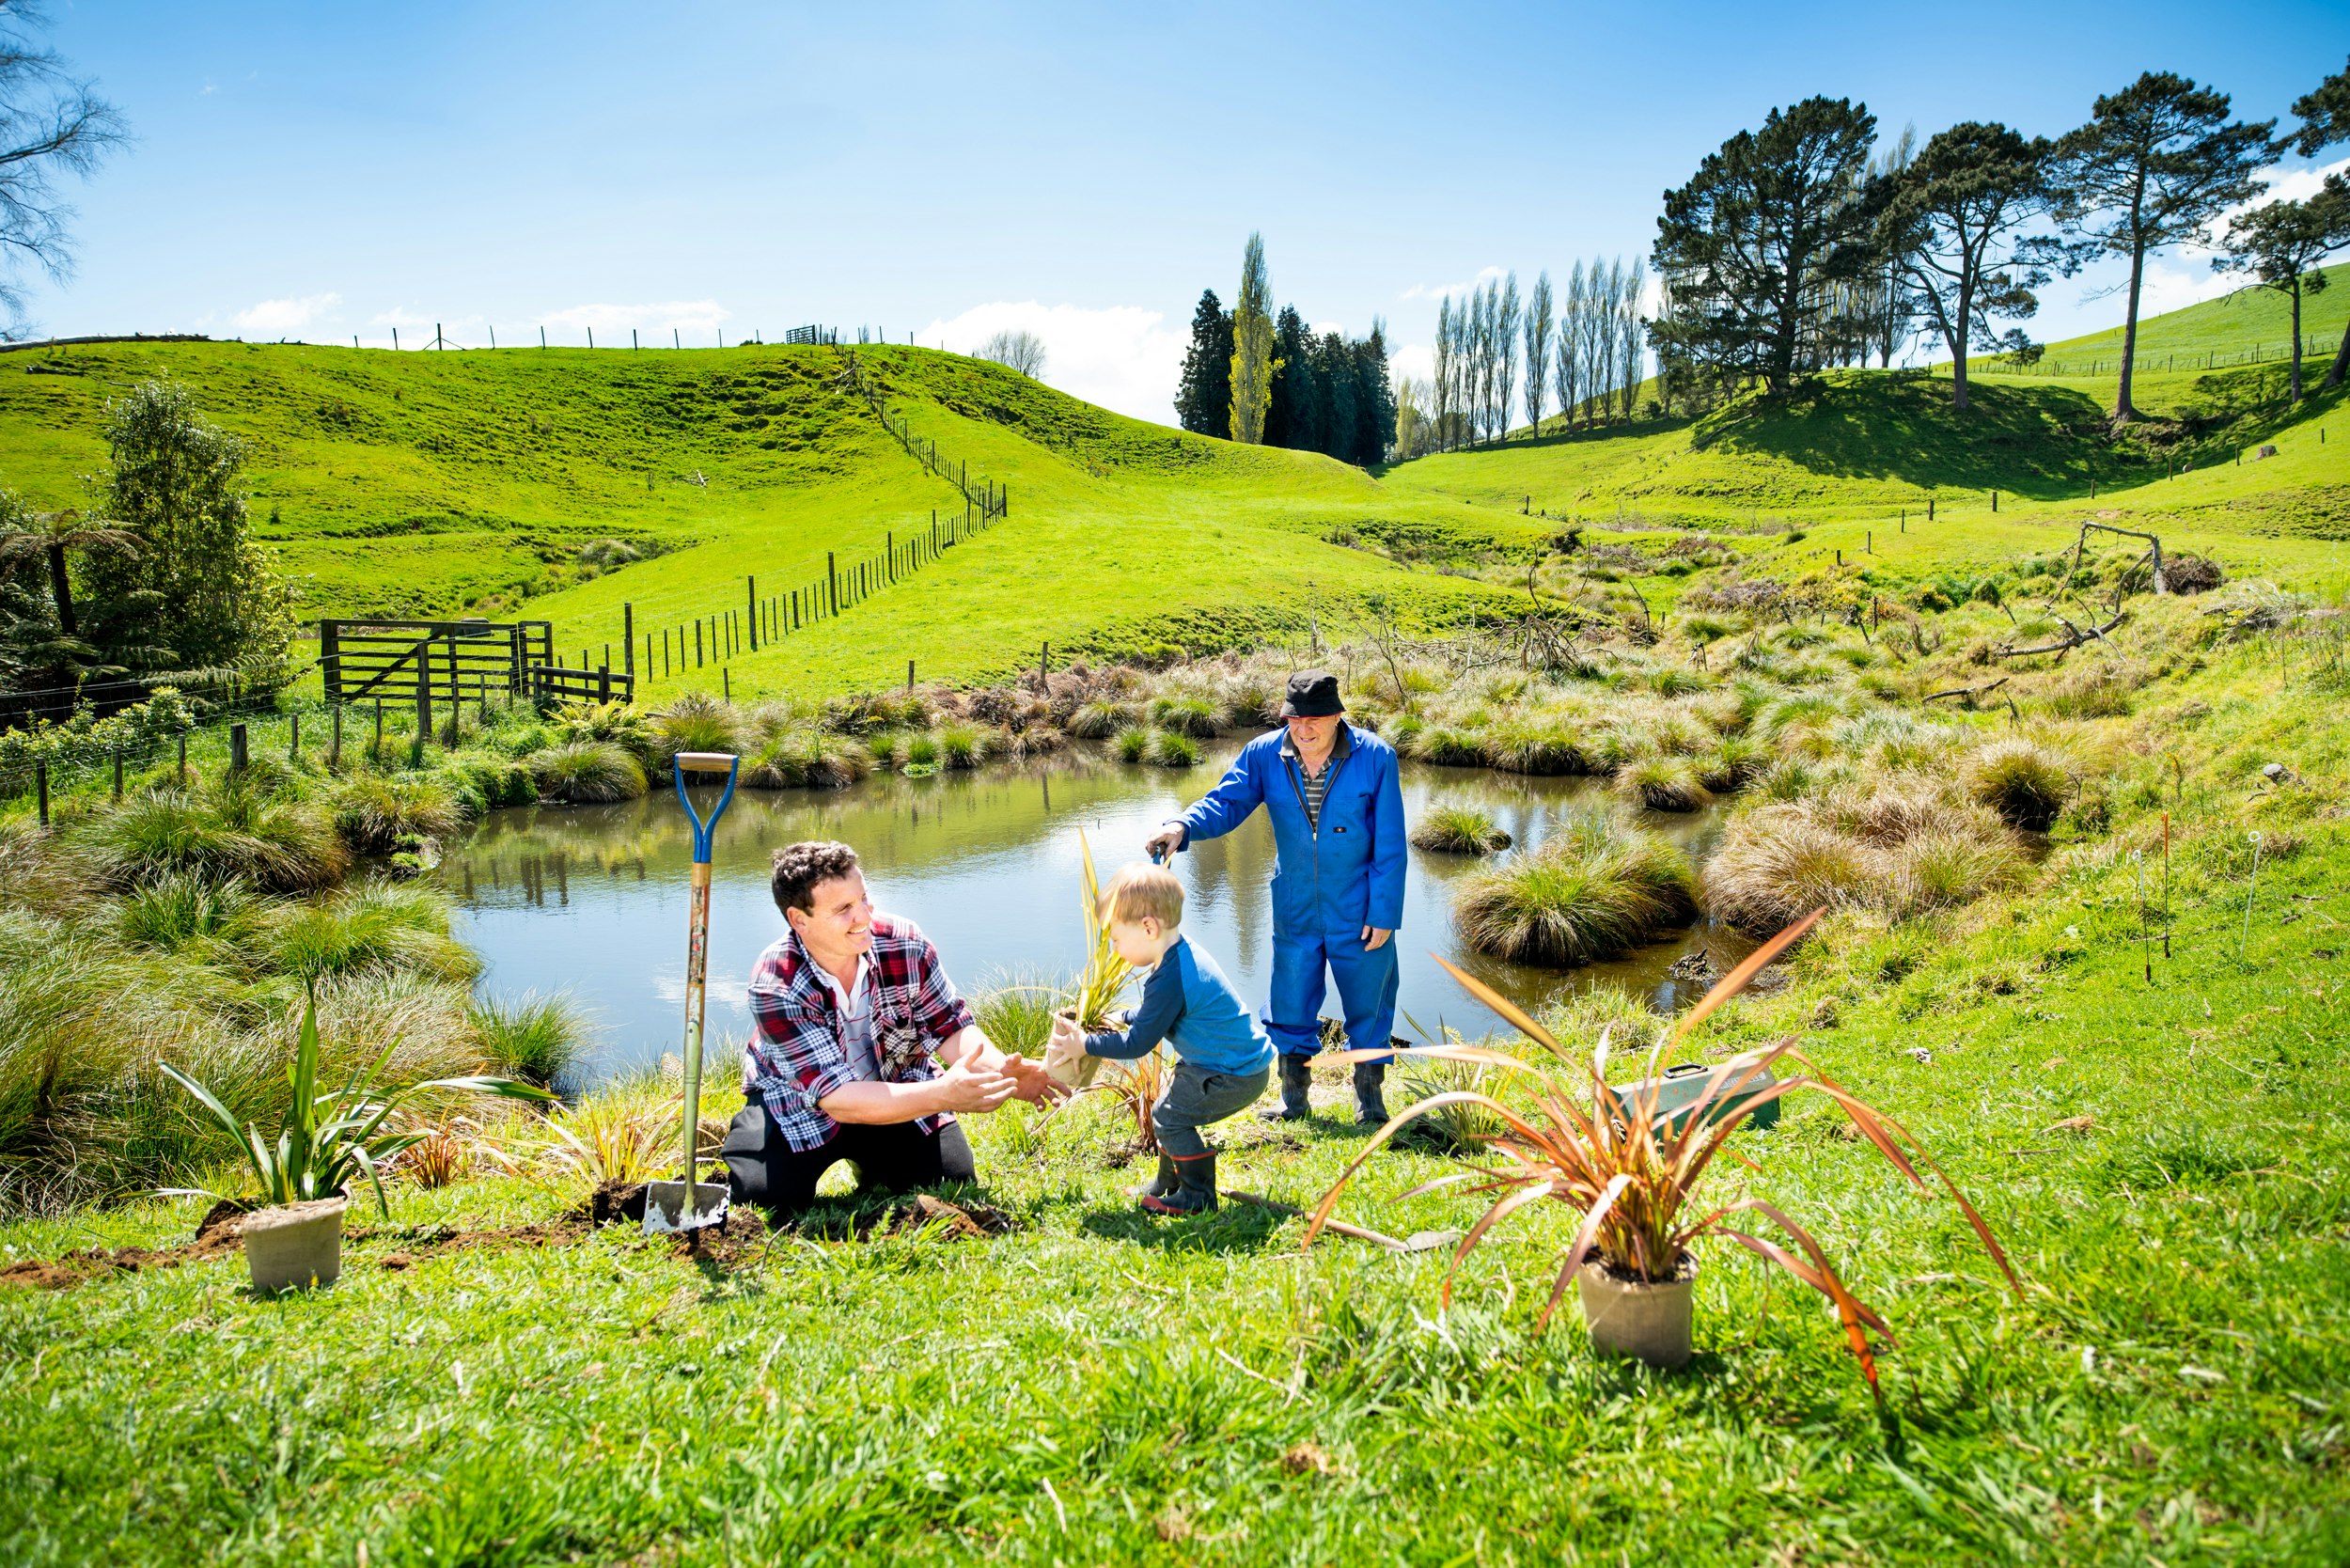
{"type": "Point", "coordinates": [1632, 1171]}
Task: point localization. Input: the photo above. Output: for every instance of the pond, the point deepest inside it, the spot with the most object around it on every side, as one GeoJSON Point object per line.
{"type": "Point", "coordinates": [591, 900]}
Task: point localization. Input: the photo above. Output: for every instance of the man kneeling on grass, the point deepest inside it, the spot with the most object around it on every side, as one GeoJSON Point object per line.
{"type": "Point", "coordinates": [1223, 1056]}
{"type": "Point", "coordinates": [853, 1015]}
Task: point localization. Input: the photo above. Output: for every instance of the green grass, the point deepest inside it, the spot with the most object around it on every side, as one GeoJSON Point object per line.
{"type": "Point", "coordinates": [2232, 327]}
{"type": "Point", "coordinates": [2169, 1384]}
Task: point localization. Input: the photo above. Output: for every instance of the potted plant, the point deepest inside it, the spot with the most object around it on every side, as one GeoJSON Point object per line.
{"type": "Point", "coordinates": [1631, 1168]}
{"type": "Point", "coordinates": [326, 1141]}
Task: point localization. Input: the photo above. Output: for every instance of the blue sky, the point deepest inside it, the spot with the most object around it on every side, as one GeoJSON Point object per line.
{"type": "Point", "coordinates": [323, 170]}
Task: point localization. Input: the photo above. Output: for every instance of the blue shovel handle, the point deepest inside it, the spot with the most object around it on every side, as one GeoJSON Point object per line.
{"type": "Point", "coordinates": [705, 762]}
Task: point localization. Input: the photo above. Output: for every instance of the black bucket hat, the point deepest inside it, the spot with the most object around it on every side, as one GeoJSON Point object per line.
{"type": "Point", "coordinates": [1312, 694]}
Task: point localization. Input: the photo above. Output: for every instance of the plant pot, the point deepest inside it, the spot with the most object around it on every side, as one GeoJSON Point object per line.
{"type": "Point", "coordinates": [296, 1246]}
{"type": "Point", "coordinates": [1646, 1320]}
{"type": "Point", "coordinates": [1072, 1073]}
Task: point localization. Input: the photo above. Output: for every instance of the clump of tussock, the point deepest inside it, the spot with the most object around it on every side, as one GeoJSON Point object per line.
{"type": "Point", "coordinates": [1596, 888]}
{"type": "Point", "coordinates": [2027, 783]}
{"type": "Point", "coordinates": [1171, 749]}
{"type": "Point", "coordinates": [1662, 784]}
{"type": "Point", "coordinates": [1537, 744]}
{"type": "Point", "coordinates": [1459, 830]}
{"type": "Point", "coordinates": [1133, 744]}
{"type": "Point", "coordinates": [1902, 848]}
{"type": "Point", "coordinates": [367, 927]}
{"type": "Point", "coordinates": [807, 756]}
{"type": "Point", "coordinates": [375, 812]}
{"type": "Point", "coordinates": [268, 838]}
{"type": "Point", "coordinates": [1184, 713]}
{"type": "Point", "coordinates": [961, 746]}
{"type": "Point", "coordinates": [695, 721]}
{"type": "Point", "coordinates": [1733, 762]}
{"type": "Point", "coordinates": [1099, 718]}
{"type": "Point", "coordinates": [587, 773]}
{"type": "Point", "coordinates": [533, 1038]}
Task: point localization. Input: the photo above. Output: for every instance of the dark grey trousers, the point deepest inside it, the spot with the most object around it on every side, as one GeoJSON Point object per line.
{"type": "Point", "coordinates": [1194, 1100]}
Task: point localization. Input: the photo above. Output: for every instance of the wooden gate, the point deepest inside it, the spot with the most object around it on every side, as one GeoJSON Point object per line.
{"type": "Point", "coordinates": [424, 662]}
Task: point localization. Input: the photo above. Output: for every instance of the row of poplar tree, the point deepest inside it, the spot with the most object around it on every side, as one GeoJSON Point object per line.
{"type": "Point", "coordinates": [1325, 393]}
{"type": "Point", "coordinates": [1584, 344]}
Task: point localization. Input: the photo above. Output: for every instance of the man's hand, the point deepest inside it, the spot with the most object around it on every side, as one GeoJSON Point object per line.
{"type": "Point", "coordinates": [966, 1088]}
{"type": "Point", "coordinates": [1375, 937]}
{"type": "Point", "coordinates": [1031, 1082]}
{"type": "Point", "coordinates": [1166, 841]}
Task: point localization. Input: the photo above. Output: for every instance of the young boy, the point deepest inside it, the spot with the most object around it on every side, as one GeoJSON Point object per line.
{"type": "Point", "coordinates": [1223, 1056]}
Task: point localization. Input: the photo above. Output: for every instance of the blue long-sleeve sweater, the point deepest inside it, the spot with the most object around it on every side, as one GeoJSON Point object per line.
{"type": "Point", "coordinates": [1188, 1003]}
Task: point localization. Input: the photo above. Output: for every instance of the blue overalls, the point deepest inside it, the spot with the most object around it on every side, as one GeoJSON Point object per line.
{"type": "Point", "coordinates": [1332, 876]}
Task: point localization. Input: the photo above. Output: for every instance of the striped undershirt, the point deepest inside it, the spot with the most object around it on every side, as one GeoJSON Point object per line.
{"type": "Point", "coordinates": [1317, 786]}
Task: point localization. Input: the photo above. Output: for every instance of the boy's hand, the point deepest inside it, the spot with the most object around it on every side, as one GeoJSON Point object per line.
{"type": "Point", "coordinates": [1068, 1040]}
{"type": "Point", "coordinates": [1033, 1083]}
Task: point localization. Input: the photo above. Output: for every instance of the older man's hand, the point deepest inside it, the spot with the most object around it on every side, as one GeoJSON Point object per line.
{"type": "Point", "coordinates": [965, 1088]}
{"type": "Point", "coordinates": [1166, 841]}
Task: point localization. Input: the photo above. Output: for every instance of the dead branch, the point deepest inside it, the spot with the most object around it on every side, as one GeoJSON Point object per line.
{"type": "Point", "coordinates": [1970, 693]}
{"type": "Point", "coordinates": [2074, 638]}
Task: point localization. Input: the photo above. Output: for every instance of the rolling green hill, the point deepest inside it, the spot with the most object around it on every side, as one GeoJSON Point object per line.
{"type": "Point", "coordinates": [2252, 324]}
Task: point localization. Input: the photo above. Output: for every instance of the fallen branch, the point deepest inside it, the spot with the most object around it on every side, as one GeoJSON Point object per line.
{"type": "Point", "coordinates": [2074, 638]}
{"type": "Point", "coordinates": [1969, 691]}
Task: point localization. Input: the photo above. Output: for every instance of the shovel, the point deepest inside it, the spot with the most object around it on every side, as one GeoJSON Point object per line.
{"type": "Point", "coordinates": [673, 1207]}
{"type": "Point", "coordinates": [1419, 1241]}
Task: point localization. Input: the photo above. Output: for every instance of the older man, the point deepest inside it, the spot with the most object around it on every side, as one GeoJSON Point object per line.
{"type": "Point", "coordinates": [1337, 808]}
{"type": "Point", "coordinates": [854, 1017]}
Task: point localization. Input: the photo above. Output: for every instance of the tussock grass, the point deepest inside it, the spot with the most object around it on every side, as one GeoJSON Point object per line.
{"type": "Point", "coordinates": [373, 811]}
{"type": "Point", "coordinates": [272, 842]}
{"type": "Point", "coordinates": [1459, 830]}
{"type": "Point", "coordinates": [1662, 784]}
{"type": "Point", "coordinates": [2027, 783]}
{"type": "Point", "coordinates": [533, 1037]}
{"type": "Point", "coordinates": [587, 773]}
{"type": "Point", "coordinates": [1594, 889]}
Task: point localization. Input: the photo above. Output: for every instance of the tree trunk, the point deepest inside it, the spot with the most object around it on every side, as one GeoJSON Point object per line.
{"type": "Point", "coordinates": [2297, 342]}
{"type": "Point", "coordinates": [60, 587]}
{"type": "Point", "coordinates": [2123, 407]}
{"type": "Point", "coordinates": [2341, 362]}
{"type": "Point", "coordinates": [1960, 332]}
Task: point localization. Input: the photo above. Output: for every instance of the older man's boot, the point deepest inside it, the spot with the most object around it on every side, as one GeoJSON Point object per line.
{"type": "Point", "coordinates": [1370, 1106]}
{"type": "Point", "coordinates": [1298, 1076]}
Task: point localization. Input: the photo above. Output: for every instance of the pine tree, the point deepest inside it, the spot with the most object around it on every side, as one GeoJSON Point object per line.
{"type": "Point", "coordinates": [1203, 401]}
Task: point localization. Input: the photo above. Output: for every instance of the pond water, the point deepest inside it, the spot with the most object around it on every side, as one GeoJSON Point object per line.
{"type": "Point", "coordinates": [591, 900]}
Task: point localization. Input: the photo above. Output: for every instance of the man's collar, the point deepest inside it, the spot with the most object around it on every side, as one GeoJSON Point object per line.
{"type": "Point", "coordinates": [864, 968]}
{"type": "Point", "coordinates": [1342, 743]}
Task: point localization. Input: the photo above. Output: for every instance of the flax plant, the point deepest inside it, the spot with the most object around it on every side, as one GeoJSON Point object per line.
{"type": "Point", "coordinates": [1631, 1170]}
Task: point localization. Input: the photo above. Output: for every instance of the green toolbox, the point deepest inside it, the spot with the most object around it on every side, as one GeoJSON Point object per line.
{"type": "Point", "coordinates": [1684, 1084]}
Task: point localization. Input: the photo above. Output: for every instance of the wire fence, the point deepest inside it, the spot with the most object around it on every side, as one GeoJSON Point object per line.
{"type": "Point", "coordinates": [2148, 364]}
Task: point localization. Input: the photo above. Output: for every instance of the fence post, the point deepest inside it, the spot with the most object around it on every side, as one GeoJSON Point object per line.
{"type": "Point", "coordinates": [40, 786]}
{"type": "Point", "coordinates": [377, 750]}
{"type": "Point", "coordinates": [726, 684]}
{"type": "Point", "coordinates": [1043, 666]}
{"type": "Point", "coordinates": [832, 578]}
{"type": "Point", "coordinates": [293, 739]}
{"type": "Point", "coordinates": [628, 639]}
{"type": "Point", "coordinates": [335, 749]}
{"type": "Point", "coordinates": [698, 642]}
{"type": "Point", "coordinates": [909, 675]}
{"type": "Point", "coordinates": [750, 595]}
{"type": "Point", "coordinates": [604, 683]}
{"type": "Point", "coordinates": [183, 757]}
{"type": "Point", "coordinates": [795, 609]}
{"type": "Point", "coordinates": [236, 749]}
{"type": "Point", "coordinates": [118, 772]}
{"type": "Point", "coordinates": [890, 550]}
{"type": "Point", "coordinates": [329, 658]}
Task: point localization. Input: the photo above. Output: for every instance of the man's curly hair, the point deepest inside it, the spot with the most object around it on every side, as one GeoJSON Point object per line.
{"type": "Point", "coordinates": [800, 867]}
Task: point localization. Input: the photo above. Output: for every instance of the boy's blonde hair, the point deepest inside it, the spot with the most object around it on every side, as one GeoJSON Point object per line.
{"type": "Point", "coordinates": [1143, 889]}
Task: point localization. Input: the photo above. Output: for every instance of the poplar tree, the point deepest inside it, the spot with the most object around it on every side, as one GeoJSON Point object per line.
{"type": "Point", "coordinates": [1253, 366]}
{"type": "Point", "coordinates": [1440, 385]}
{"type": "Point", "coordinates": [1505, 355]}
{"type": "Point", "coordinates": [1630, 332]}
{"type": "Point", "coordinates": [1538, 305]}
{"type": "Point", "coordinates": [1203, 400]}
{"type": "Point", "coordinates": [2157, 163]}
{"type": "Point", "coordinates": [1570, 369]}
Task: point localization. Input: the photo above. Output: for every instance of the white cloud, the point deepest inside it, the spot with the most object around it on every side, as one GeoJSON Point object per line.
{"type": "Point", "coordinates": [1438, 291]}
{"type": "Point", "coordinates": [285, 318]}
{"type": "Point", "coordinates": [1120, 356]}
{"type": "Point", "coordinates": [686, 318]}
{"type": "Point", "coordinates": [1414, 360]}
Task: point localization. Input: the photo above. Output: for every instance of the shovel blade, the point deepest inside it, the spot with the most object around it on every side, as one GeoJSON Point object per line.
{"type": "Point", "coordinates": [665, 1211]}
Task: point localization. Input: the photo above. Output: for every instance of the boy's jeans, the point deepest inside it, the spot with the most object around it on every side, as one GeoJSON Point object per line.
{"type": "Point", "coordinates": [1194, 1100]}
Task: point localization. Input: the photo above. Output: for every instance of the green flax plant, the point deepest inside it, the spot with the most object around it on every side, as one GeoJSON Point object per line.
{"type": "Point", "coordinates": [1631, 1168]}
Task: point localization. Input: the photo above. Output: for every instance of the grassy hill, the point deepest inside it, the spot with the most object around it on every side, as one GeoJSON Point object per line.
{"type": "Point", "coordinates": [2252, 324]}
{"type": "Point", "coordinates": [430, 483]}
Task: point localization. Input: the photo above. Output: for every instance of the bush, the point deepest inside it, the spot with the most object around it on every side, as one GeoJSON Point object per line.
{"type": "Point", "coordinates": [1459, 830]}
{"type": "Point", "coordinates": [2028, 784]}
{"type": "Point", "coordinates": [373, 811]}
{"type": "Point", "coordinates": [1596, 888]}
{"type": "Point", "coordinates": [1662, 784]}
{"type": "Point", "coordinates": [587, 773]}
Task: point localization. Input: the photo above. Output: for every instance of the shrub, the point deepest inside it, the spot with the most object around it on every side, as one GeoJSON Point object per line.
{"type": "Point", "coordinates": [2025, 782]}
{"type": "Point", "coordinates": [1169, 749]}
{"type": "Point", "coordinates": [1459, 830]}
{"type": "Point", "coordinates": [1134, 744]}
{"type": "Point", "coordinates": [1100, 719]}
{"type": "Point", "coordinates": [1594, 889]}
{"type": "Point", "coordinates": [587, 773]}
{"type": "Point", "coordinates": [1662, 784]}
{"type": "Point", "coordinates": [373, 811]}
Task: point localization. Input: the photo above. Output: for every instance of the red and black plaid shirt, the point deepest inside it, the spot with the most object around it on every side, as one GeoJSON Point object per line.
{"type": "Point", "coordinates": [796, 1055]}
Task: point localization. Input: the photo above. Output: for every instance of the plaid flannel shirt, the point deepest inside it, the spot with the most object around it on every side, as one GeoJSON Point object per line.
{"type": "Point", "coordinates": [796, 1055]}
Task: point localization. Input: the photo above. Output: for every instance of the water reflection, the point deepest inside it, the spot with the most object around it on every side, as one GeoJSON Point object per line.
{"type": "Point", "coordinates": [592, 899]}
